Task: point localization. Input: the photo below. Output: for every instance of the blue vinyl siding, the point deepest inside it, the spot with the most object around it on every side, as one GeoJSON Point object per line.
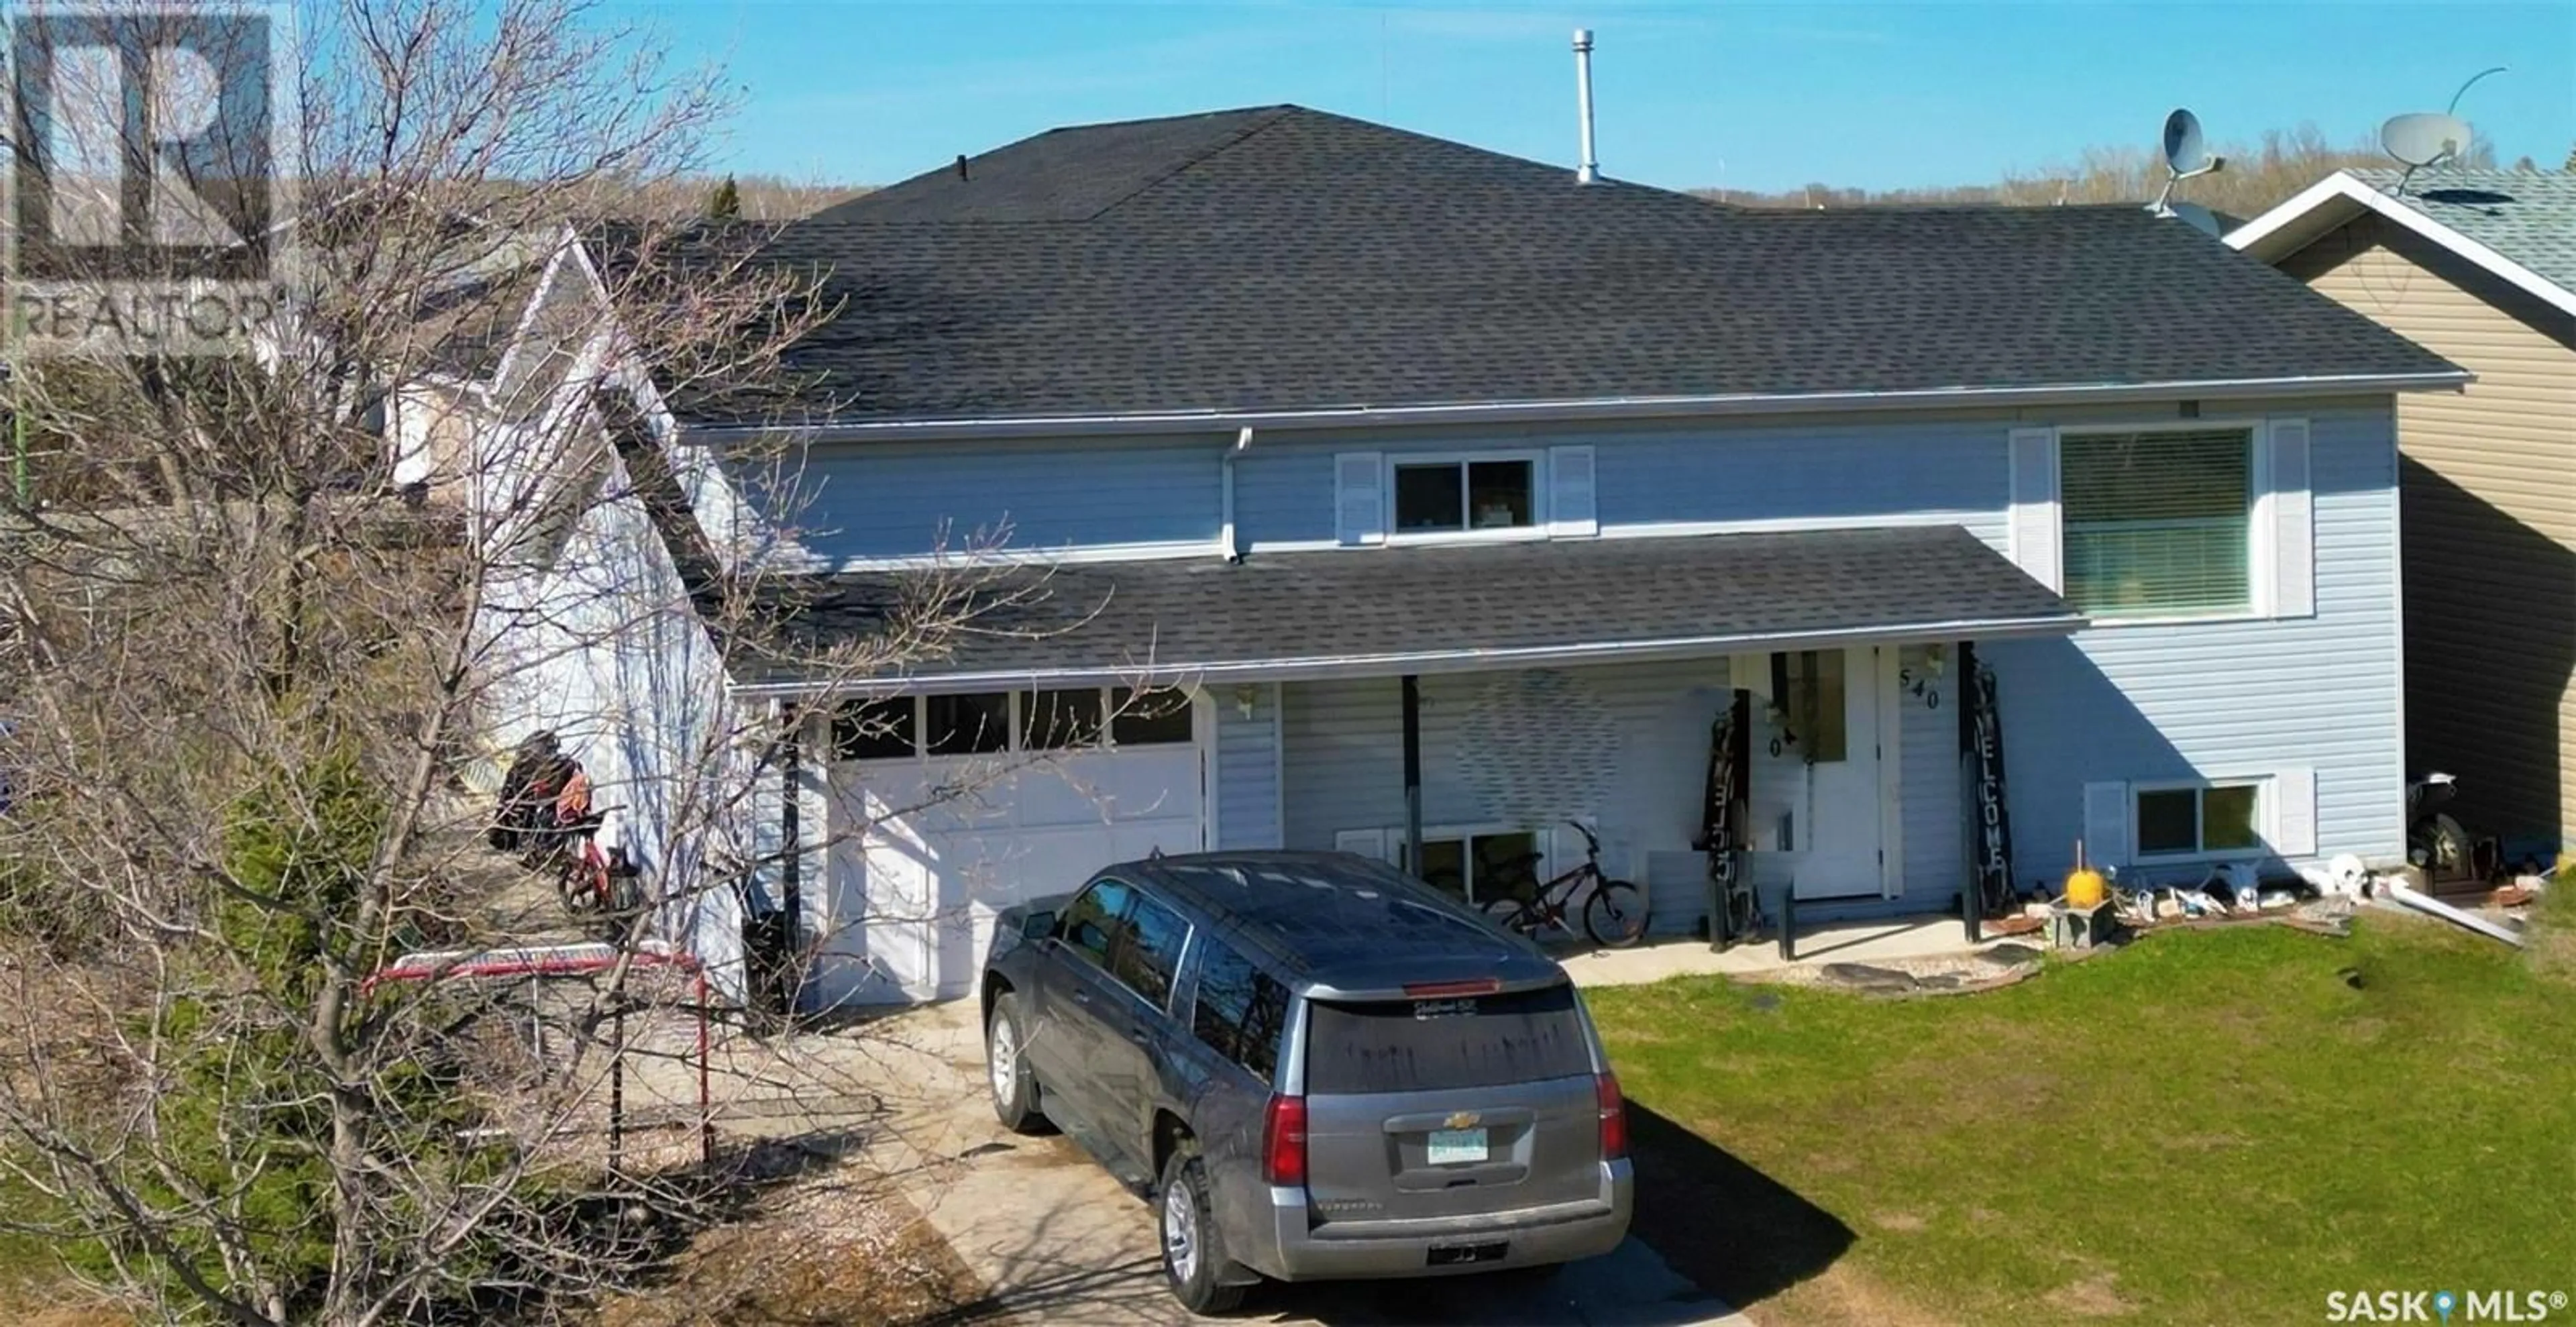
{"type": "Point", "coordinates": [876, 500]}
{"type": "Point", "coordinates": [2156, 702]}
{"type": "Point", "coordinates": [1246, 776]}
{"type": "Point", "coordinates": [1849, 471]}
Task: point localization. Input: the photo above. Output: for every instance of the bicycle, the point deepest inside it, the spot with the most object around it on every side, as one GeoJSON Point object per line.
{"type": "Point", "coordinates": [587, 878]}
{"type": "Point", "coordinates": [1614, 915]}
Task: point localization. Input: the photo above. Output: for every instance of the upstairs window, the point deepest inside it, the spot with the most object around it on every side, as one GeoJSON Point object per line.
{"type": "Point", "coordinates": [2158, 524]}
{"type": "Point", "coordinates": [1448, 497]}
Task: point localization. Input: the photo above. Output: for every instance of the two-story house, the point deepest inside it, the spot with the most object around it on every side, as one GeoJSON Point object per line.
{"type": "Point", "coordinates": [1419, 490]}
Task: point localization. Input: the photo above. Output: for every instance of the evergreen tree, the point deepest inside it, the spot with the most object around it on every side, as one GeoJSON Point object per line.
{"type": "Point", "coordinates": [726, 204]}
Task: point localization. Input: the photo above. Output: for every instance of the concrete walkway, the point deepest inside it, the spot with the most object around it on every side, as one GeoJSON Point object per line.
{"type": "Point", "coordinates": [1842, 942]}
{"type": "Point", "coordinates": [1058, 1241]}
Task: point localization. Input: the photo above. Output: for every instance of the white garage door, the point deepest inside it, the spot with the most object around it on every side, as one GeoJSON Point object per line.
{"type": "Point", "coordinates": [929, 849]}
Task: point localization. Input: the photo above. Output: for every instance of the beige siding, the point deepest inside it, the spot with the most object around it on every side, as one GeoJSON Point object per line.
{"type": "Point", "coordinates": [2489, 523]}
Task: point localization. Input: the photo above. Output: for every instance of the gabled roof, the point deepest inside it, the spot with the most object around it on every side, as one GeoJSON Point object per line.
{"type": "Point", "coordinates": [2518, 225]}
{"type": "Point", "coordinates": [1281, 259]}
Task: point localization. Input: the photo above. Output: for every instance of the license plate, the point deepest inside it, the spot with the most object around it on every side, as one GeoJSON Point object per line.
{"type": "Point", "coordinates": [1452, 1147]}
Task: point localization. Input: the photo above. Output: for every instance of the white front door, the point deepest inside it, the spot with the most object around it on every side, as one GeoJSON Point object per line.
{"type": "Point", "coordinates": [1842, 699]}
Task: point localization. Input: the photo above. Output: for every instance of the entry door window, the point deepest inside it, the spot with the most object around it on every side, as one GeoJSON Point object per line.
{"type": "Point", "coordinates": [1816, 698]}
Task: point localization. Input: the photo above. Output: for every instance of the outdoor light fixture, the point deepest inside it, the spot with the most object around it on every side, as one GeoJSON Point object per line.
{"type": "Point", "coordinates": [1244, 696]}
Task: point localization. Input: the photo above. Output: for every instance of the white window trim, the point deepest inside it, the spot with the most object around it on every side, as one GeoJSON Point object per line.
{"type": "Point", "coordinates": [2266, 820]}
{"type": "Point", "coordinates": [1108, 743]}
{"type": "Point", "coordinates": [1539, 514]}
{"type": "Point", "coordinates": [2260, 530]}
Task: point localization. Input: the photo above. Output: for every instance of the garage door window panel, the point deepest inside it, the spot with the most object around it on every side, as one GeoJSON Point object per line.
{"type": "Point", "coordinates": [973, 724]}
{"type": "Point", "coordinates": [1059, 720]}
{"type": "Point", "coordinates": [1159, 716]}
{"type": "Point", "coordinates": [877, 729]}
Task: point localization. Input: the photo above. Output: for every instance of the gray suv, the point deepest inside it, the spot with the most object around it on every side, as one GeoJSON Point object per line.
{"type": "Point", "coordinates": [1317, 1066]}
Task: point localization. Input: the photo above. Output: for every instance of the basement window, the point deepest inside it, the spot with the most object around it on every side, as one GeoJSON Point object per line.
{"type": "Point", "coordinates": [2217, 819]}
{"type": "Point", "coordinates": [1469, 493]}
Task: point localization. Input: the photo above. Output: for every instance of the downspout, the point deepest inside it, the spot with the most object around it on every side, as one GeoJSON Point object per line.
{"type": "Point", "coordinates": [1228, 545]}
{"type": "Point", "coordinates": [1412, 706]}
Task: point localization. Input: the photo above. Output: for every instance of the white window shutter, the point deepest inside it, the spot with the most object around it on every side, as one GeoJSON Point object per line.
{"type": "Point", "coordinates": [2036, 541]}
{"type": "Point", "coordinates": [2294, 812]}
{"type": "Point", "coordinates": [2106, 824]}
{"type": "Point", "coordinates": [1369, 843]}
{"type": "Point", "coordinates": [2293, 534]}
{"type": "Point", "coordinates": [1572, 509]}
{"type": "Point", "coordinates": [1359, 498]}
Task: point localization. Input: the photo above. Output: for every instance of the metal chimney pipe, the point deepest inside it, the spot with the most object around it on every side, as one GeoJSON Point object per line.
{"type": "Point", "coordinates": [1590, 169]}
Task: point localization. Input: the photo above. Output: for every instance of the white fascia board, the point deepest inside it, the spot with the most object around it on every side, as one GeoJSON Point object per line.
{"type": "Point", "coordinates": [2339, 197]}
{"type": "Point", "coordinates": [1497, 412]}
{"type": "Point", "coordinates": [1434, 661]}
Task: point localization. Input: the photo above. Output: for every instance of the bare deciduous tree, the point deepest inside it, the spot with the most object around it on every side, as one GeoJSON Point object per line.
{"type": "Point", "coordinates": [248, 660]}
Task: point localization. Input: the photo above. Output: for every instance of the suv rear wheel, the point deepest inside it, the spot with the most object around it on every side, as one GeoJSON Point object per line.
{"type": "Point", "coordinates": [1006, 1069]}
{"type": "Point", "coordinates": [1193, 1255]}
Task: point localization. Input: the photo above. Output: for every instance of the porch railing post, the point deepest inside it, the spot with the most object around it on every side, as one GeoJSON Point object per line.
{"type": "Point", "coordinates": [1412, 774]}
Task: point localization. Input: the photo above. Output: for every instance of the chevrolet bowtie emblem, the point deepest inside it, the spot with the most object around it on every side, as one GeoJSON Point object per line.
{"type": "Point", "coordinates": [1465, 1119]}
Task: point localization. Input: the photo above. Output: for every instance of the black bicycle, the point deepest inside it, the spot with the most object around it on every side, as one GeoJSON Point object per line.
{"type": "Point", "coordinates": [1614, 912]}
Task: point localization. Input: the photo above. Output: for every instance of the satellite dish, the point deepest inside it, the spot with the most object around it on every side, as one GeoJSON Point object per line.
{"type": "Point", "coordinates": [2184, 152]}
{"type": "Point", "coordinates": [2186, 155]}
{"type": "Point", "coordinates": [2197, 217]}
{"type": "Point", "coordinates": [2421, 139]}
{"type": "Point", "coordinates": [2425, 138]}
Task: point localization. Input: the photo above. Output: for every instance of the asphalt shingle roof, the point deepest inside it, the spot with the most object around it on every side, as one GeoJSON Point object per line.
{"type": "Point", "coordinates": [1285, 258]}
{"type": "Point", "coordinates": [2529, 217]}
{"type": "Point", "coordinates": [1286, 610]}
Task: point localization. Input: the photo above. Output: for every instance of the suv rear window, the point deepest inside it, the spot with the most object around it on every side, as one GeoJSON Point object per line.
{"type": "Point", "coordinates": [1431, 1045]}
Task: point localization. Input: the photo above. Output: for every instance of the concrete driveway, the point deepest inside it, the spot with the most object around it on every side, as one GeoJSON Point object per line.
{"type": "Point", "coordinates": [1057, 1240]}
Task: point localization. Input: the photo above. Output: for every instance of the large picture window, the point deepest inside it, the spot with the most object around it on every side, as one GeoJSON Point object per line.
{"type": "Point", "coordinates": [2158, 524]}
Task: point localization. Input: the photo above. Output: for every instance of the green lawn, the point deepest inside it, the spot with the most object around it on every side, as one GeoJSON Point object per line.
{"type": "Point", "coordinates": [2213, 1126]}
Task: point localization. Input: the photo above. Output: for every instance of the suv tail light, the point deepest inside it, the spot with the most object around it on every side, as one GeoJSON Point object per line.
{"type": "Point", "coordinates": [1283, 1141]}
{"type": "Point", "coordinates": [1614, 1116]}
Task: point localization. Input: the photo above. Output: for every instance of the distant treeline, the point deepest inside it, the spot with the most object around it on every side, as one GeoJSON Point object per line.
{"type": "Point", "coordinates": [2257, 176]}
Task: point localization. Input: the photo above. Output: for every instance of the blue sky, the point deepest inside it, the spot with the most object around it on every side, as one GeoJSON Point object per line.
{"type": "Point", "coordinates": [1747, 96]}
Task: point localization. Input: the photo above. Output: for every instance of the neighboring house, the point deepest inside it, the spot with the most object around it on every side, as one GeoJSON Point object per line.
{"type": "Point", "coordinates": [1339, 432]}
{"type": "Point", "coordinates": [2479, 267]}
